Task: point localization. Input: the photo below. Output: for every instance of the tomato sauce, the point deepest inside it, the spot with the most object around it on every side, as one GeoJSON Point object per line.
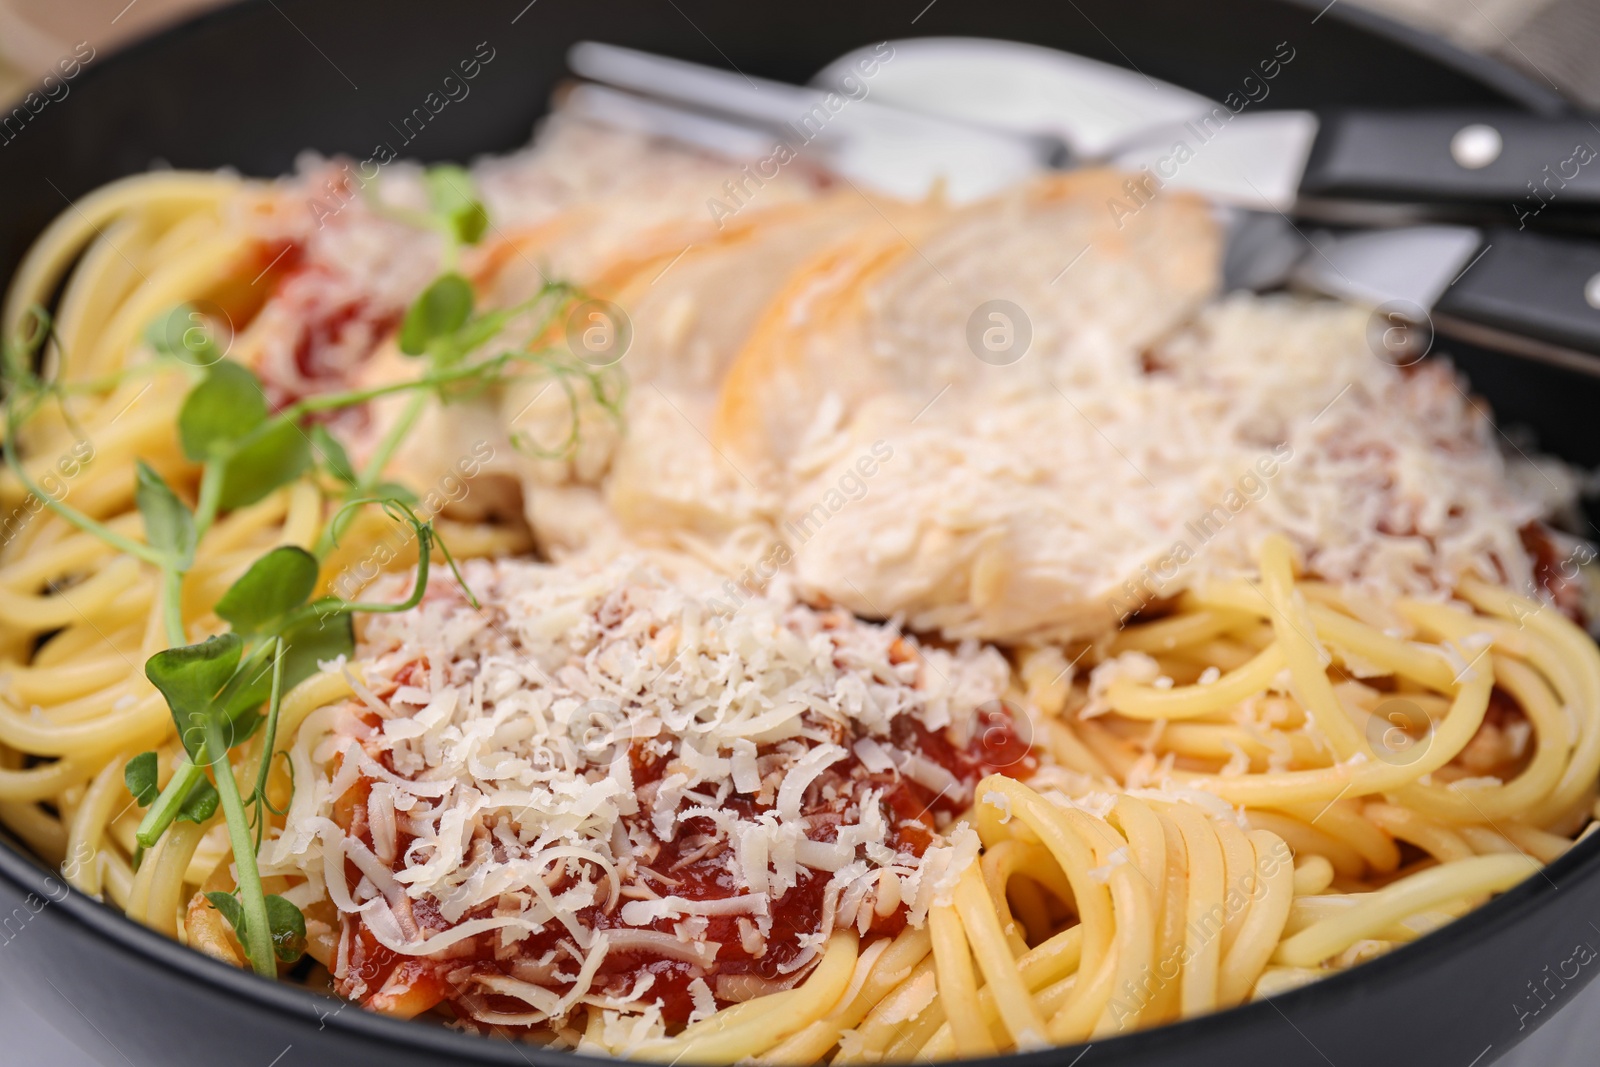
{"type": "Point", "coordinates": [684, 867]}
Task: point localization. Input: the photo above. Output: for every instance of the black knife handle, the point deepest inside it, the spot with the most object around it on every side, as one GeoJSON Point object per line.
{"type": "Point", "coordinates": [1423, 157]}
{"type": "Point", "coordinates": [1533, 287]}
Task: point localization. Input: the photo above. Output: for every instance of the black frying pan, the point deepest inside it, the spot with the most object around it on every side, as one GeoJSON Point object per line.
{"type": "Point", "coordinates": [250, 86]}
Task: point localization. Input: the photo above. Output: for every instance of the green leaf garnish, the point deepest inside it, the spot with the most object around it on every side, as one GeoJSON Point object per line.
{"type": "Point", "coordinates": [455, 201]}
{"type": "Point", "coordinates": [228, 904]}
{"type": "Point", "coordinates": [191, 677]}
{"type": "Point", "coordinates": [287, 922]}
{"type": "Point", "coordinates": [168, 522]}
{"type": "Point", "coordinates": [272, 459]}
{"type": "Point", "coordinates": [314, 640]}
{"type": "Point", "coordinates": [288, 928]}
{"type": "Point", "coordinates": [335, 460]}
{"type": "Point", "coordinates": [270, 589]}
{"type": "Point", "coordinates": [440, 311]}
{"type": "Point", "coordinates": [220, 410]}
{"type": "Point", "coordinates": [141, 775]}
{"type": "Point", "coordinates": [200, 804]}
{"type": "Point", "coordinates": [184, 334]}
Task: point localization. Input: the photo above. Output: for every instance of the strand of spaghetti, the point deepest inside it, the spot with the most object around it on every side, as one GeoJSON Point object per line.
{"type": "Point", "coordinates": [303, 521]}
{"type": "Point", "coordinates": [908, 1013]}
{"type": "Point", "coordinates": [248, 527]}
{"type": "Point", "coordinates": [117, 876]}
{"type": "Point", "coordinates": [36, 614]}
{"type": "Point", "coordinates": [37, 829]}
{"type": "Point", "coordinates": [1340, 631]}
{"type": "Point", "coordinates": [1312, 875]}
{"type": "Point", "coordinates": [1275, 981]}
{"type": "Point", "coordinates": [1146, 842]}
{"type": "Point", "coordinates": [1144, 903]}
{"type": "Point", "coordinates": [1361, 778]}
{"type": "Point", "coordinates": [1204, 910]}
{"type": "Point", "coordinates": [1239, 872]}
{"type": "Point", "coordinates": [1177, 631]}
{"type": "Point", "coordinates": [45, 781]}
{"type": "Point", "coordinates": [1164, 1002]}
{"type": "Point", "coordinates": [1272, 892]}
{"type": "Point", "coordinates": [1343, 822]}
{"type": "Point", "coordinates": [1297, 635]}
{"type": "Point", "coordinates": [1354, 639]}
{"type": "Point", "coordinates": [104, 274]}
{"type": "Point", "coordinates": [1089, 1008]}
{"type": "Point", "coordinates": [1224, 653]}
{"type": "Point", "coordinates": [60, 242]}
{"type": "Point", "coordinates": [1545, 847]}
{"type": "Point", "coordinates": [74, 552]}
{"type": "Point", "coordinates": [1309, 840]}
{"type": "Point", "coordinates": [212, 850]}
{"type": "Point", "coordinates": [1139, 701]}
{"type": "Point", "coordinates": [1484, 840]}
{"type": "Point", "coordinates": [46, 686]}
{"type": "Point", "coordinates": [1219, 742]}
{"type": "Point", "coordinates": [1583, 698]}
{"type": "Point", "coordinates": [1116, 755]}
{"type": "Point", "coordinates": [1076, 858]}
{"type": "Point", "coordinates": [171, 283]}
{"type": "Point", "coordinates": [1004, 859]}
{"type": "Point", "coordinates": [1426, 889]}
{"type": "Point", "coordinates": [146, 719]}
{"type": "Point", "coordinates": [1133, 902]}
{"type": "Point", "coordinates": [93, 705]}
{"type": "Point", "coordinates": [893, 965]}
{"type": "Point", "coordinates": [106, 791]}
{"type": "Point", "coordinates": [116, 630]}
{"type": "Point", "coordinates": [1412, 827]}
{"type": "Point", "coordinates": [778, 1016]}
{"type": "Point", "coordinates": [1070, 751]}
{"type": "Point", "coordinates": [958, 985]}
{"type": "Point", "coordinates": [1046, 966]}
{"type": "Point", "coordinates": [168, 865]}
{"type": "Point", "coordinates": [138, 424]}
{"type": "Point", "coordinates": [1541, 776]}
{"type": "Point", "coordinates": [978, 916]}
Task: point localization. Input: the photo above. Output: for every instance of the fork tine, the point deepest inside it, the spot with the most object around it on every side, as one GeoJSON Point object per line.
{"type": "Point", "coordinates": [626, 111]}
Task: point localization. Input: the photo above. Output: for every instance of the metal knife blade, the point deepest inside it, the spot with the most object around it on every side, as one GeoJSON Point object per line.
{"type": "Point", "coordinates": [1532, 294]}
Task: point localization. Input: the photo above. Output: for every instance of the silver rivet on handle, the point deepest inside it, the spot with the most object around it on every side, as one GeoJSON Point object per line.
{"type": "Point", "coordinates": [1476, 146]}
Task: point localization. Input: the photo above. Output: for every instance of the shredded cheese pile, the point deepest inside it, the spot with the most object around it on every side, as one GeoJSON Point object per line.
{"type": "Point", "coordinates": [503, 745]}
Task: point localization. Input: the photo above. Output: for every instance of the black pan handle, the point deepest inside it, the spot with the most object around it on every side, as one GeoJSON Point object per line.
{"type": "Point", "coordinates": [1532, 292]}
{"type": "Point", "coordinates": [1512, 161]}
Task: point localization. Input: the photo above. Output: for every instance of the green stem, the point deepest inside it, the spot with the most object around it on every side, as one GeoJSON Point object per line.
{"type": "Point", "coordinates": [270, 741]}
{"type": "Point", "coordinates": [351, 397]}
{"type": "Point", "coordinates": [166, 806]}
{"type": "Point", "coordinates": [391, 442]}
{"type": "Point", "coordinates": [257, 935]}
{"type": "Point", "coordinates": [205, 511]}
{"type": "Point", "coordinates": [172, 606]}
{"type": "Point", "coordinates": [71, 514]}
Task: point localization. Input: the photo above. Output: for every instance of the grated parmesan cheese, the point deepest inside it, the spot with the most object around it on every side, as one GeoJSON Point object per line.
{"type": "Point", "coordinates": [599, 768]}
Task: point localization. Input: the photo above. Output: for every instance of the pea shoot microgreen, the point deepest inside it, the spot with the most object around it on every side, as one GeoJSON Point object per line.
{"type": "Point", "coordinates": [226, 688]}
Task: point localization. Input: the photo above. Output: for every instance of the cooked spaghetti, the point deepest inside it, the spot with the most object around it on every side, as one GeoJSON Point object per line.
{"type": "Point", "coordinates": [767, 716]}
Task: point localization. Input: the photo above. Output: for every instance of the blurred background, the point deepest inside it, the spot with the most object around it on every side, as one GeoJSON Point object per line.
{"type": "Point", "coordinates": [1553, 41]}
